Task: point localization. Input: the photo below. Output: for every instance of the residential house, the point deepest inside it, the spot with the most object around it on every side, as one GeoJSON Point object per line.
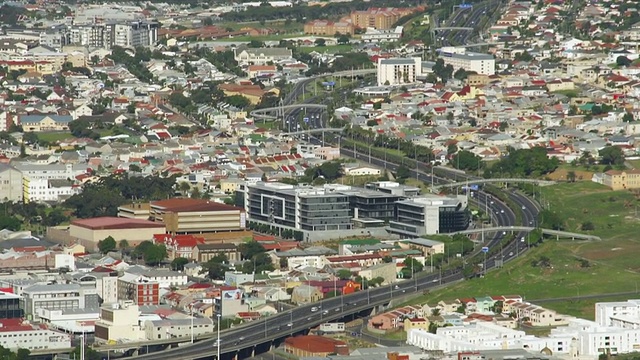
{"type": "Point", "coordinates": [261, 56]}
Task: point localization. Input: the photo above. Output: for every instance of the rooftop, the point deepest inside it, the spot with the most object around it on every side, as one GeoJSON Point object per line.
{"type": "Point", "coordinates": [191, 205]}
{"type": "Point", "coordinates": [109, 222]}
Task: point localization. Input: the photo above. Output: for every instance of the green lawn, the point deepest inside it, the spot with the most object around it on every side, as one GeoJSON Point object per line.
{"type": "Point", "coordinates": [334, 49]}
{"type": "Point", "coordinates": [613, 268]}
{"type": "Point", "coordinates": [612, 212]}
{"type": "Point", "coordinates": [635, 164]}
{"type": "Point", "coordinates": [52, 137]}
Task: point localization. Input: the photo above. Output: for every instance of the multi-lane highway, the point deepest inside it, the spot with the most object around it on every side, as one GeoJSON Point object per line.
{"type": "Point", "coordinates": [469, 17]}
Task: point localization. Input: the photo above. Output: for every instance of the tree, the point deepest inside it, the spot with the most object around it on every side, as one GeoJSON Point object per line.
{"type": "Point", "coordinates": [249, 249]}
{"type": "Point", "coordinates": [184, 187]}
{"type": "Point", "coordinates": [178, 263]}
{"type": "Point", "coordinates": [123, 245]}
{"type": "Point", "coordinates": [344, 274]}
{"type": "Point", "coordinates": [411, 266]}
{"type": "Point", "coordinates": [216, 267]}
{"type": "Point", "coordinates": [320, 42]}
{"type": "Point", "coordinates": [627, 117]}
{"type": "Point", "coordinates": [571, 176]}
{"type": "Point", "coordinates": [134, 168]}
{"type": "Point", "coordinates": [107, 244]}
{"type": "Point", "coordinates": [623, 61]}
{"type": "Point", "coordinates": [611, 155]}
{"type": "Point", "coordinates": [343, 39]}
{"type": "Point", "coordinates": [155, 254]}
{"type": "Point", "coordinates": [587, 226]}
{"type": "Point", "coordinates": [466, 160]}
{"type": "Point", "coordinates": [460, 74]}
{"type": "Point", "coordinates": [7, 354]}
{"type": "Point", "coordinates": [403, 172]}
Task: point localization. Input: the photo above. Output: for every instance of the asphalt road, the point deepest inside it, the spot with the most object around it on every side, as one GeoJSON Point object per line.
{"type": "Point", "coordinates": [466, 18]}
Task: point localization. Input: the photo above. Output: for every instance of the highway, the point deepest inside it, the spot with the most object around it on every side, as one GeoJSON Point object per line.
{"type": "Point", "coordinates": [466, 18]}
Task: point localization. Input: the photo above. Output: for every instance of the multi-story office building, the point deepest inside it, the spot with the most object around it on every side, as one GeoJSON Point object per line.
{"type": "Point", "coordinates": [59, 296]}
{"type": "Point", "coordinates": [394, 188]}
{"type": "Point", "coordinates": [300, 208]}
{"type": "Point", "coordinates": [41, 190]}
{"type": "Point", "coordinates": [328, 28]}
{"type": "Point", "coordinates": [16, 334]}
{"type": "Point", "coordinates": [133, 33]}
{"type": "Point", "coordinates": [197, 216]}
{"type": "Point", "coordinates": [460, 58]}
{"type": "Point", "coordinates": [396, 71]}
{"type": "Point", "coordinates": [119, 321]}
{"type": "Point", "coordinates": [10, 306]}
{"type": "Point", "coordinates": [430, 215]}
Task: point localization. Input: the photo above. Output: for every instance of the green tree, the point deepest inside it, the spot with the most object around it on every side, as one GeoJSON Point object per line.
{"type": "Point", "coordinates": [178, 263]}
{"type": "Point", "coordinates": [320, 42]}
{"type": "Point", "coordinates": [344, 274]}
{"type": "Point", "coordinates": [403, 172]}
{"type": "Point", "coordinates": [411, 266]}
{"type": "Point", "coordinates": [251, 248]}
{"type": "Point", "coordinates": [466, 160]}
{"type": "Point", "coordinates": [611, 155]}
{"type": "Point", "coordinates": [155, 254]}
{"type": "Point", "coordinates": [571, 176]}
{"type": "Point", "coordinates": [54, 218]}
{"type": "Point", "coordinates": [123, 245]}
{"type": "Point", "coordinates": [627, 117]}
{"type": "Point", "coordinates": [107, 244]}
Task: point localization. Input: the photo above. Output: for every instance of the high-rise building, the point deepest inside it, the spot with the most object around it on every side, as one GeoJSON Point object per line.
{"type": "Point", "coordinates": [10, 306]}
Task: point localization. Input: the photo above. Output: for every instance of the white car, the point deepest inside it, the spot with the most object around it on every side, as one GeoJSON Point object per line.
{"type": "Point", "coordinates": [501, 211]}
{"type": "Point", "coordinates": [524, 207]}
{"type": "Point", "coordinates": [314, 309]}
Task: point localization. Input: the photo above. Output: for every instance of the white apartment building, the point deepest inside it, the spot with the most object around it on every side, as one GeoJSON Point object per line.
{"type": "Point", "coordinates": [486, 336]}
{"type": "Point", "coordinates": [397, 71]}
{"type": "Point", "coordinates": [18, 334]}
{"type": "Point", "coordinates": [41, 190]}
{"type": "Point", "coordinates": [175, 328]}
{"type": "Point", "coordinates": [460, 58]}
{"type": "Point", "coordinates": [51, 171]}
{"type": "Point", "coordinates": [608, 312]}
{"type": "Point", "coordinates": [374, 35]}
{"type": "Point", "coordinates": [10, 183]}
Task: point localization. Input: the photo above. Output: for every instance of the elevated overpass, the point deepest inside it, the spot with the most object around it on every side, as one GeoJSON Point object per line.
{"type": "Point", "coordinates": [264, 113]}
{"type": "Point", "coordinates": [500, 180]}
{"type": "Point", "coordinates": [313, 131]}
{"type": "Point", "coordinates": [557, 233]}
{"type": "Point", "coordinates": [453, 28]}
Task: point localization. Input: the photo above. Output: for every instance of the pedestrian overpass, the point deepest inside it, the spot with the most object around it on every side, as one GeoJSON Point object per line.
{"type": "Point", "coordinates": [557, 233]}
{"type": "Point", "coordinates": [436, 188]}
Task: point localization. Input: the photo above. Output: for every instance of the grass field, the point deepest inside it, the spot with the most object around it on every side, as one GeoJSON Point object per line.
{"type": "Point", "coordinates": [52, 137]}
{"type": "Point", "coordinates": [334, 49]}
{"type": "Point", "coordinates": [613, 268]}
{"type": "Point", "coordinates": [613, 213]}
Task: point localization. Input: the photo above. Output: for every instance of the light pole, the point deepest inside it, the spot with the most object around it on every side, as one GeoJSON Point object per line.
{"type": "Point", "coordinates": [218, 341]}
{"type": "Point", "coordinates": [191, 310]}
{"type": "Point", "coordinates": [265, 326]}
{"type": "Point", "coordinates": [82, 346]}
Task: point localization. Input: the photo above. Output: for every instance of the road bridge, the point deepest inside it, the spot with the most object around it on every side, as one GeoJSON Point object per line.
{"type": "Point", "coordinates": [264, 113]}
{"type": "Point", "coordinates": [453, 28]}
{"type": "Point", "coordinates": [557, 233]}
{"type": "Point", "coordinates": [313, 131]}
{"type": "Point", "coordinates": [499, 180]}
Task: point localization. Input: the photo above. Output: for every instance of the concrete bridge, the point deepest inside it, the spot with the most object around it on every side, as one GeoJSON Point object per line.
{"type": "Point", "coordinates": [264, 113]}
{"type": "Point", "coordinates": [453, 28]}
{"type": "Point", "coordinates": [313, 131]}
{"type": "Point", "coordinates": [500, 180]}
{"type": "Point", "coordinates": [557, 233]}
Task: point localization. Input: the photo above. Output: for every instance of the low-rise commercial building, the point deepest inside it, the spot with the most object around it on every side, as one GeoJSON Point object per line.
{"type": "Point", "coordinates": [19, 334]}
{"type": "Point", "coordinates": [205, 252]}
{"type": "Point", "coordinates": [177, 328]}
{"type": "Point", "coordinates": [460, 58]}
{"type": "Point", "coordinates": [58, 296]}
{"type": "Point", "coordinates": [387, 271]}
{"type": "Point", "coordinates": [119, 321]}
{"type": "Point", "coordinates": [196, 216]}
{"type": "Point", "coordinates": [313, 345]}
{"type": "Point", "coordinates": [89, 231]}
{"type": "Point", "coordinates": [382, 35]}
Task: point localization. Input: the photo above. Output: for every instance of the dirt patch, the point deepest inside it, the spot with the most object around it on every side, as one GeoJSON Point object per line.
{"type": "Point", "coordinates": [561, 175]}
{"type": "Point", "coordinates": [600, 255]}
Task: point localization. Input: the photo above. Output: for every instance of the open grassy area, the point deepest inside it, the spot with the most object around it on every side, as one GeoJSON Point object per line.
{"type": "Point", "coordinates": [52, 137]}
{"type": "Point", "coordinates": [334, 49]}
{"type": "Point", "coordinates": [612, 268]}
{"type": "Point", "coordinates": [613, 213]}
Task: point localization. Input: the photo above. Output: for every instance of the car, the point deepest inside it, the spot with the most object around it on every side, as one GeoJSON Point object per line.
{"type": "Point", "coordinates": [241, 338]}
{"type": "Point", "coordinates": [325, 312]}
{"type": "Point", "coordinates": [396, 287]}
{"type": "Point", "coordinates": [314, 309]}
{"type": "Point", "coordinates": [338, 309]}
{"type": "Point", "coordinates": [524, 207]}
{"type": "Point", "coordinates": [511, 253]}
{"type": "Point", "coordinates": [308, 319]}
{"type": "Point", "coordinates": [501, 211]}
{"type": "Point", "coordinates": [290, 324]}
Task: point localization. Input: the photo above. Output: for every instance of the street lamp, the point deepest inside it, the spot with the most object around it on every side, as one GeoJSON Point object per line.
{"type": "Point", "coordinates": [191, 310]}
{"type": "Point", "coordinates": [218, 341]}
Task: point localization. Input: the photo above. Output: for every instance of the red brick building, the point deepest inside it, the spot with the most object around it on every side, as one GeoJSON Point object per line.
{"type": "Point", "coordinates": [139, 290]}
{"type": "Point", "coordinates": [313, 345]}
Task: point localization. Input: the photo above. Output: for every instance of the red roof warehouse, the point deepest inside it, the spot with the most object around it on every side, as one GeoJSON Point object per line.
{"type": "Point", "coordinates": [313, 345]}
